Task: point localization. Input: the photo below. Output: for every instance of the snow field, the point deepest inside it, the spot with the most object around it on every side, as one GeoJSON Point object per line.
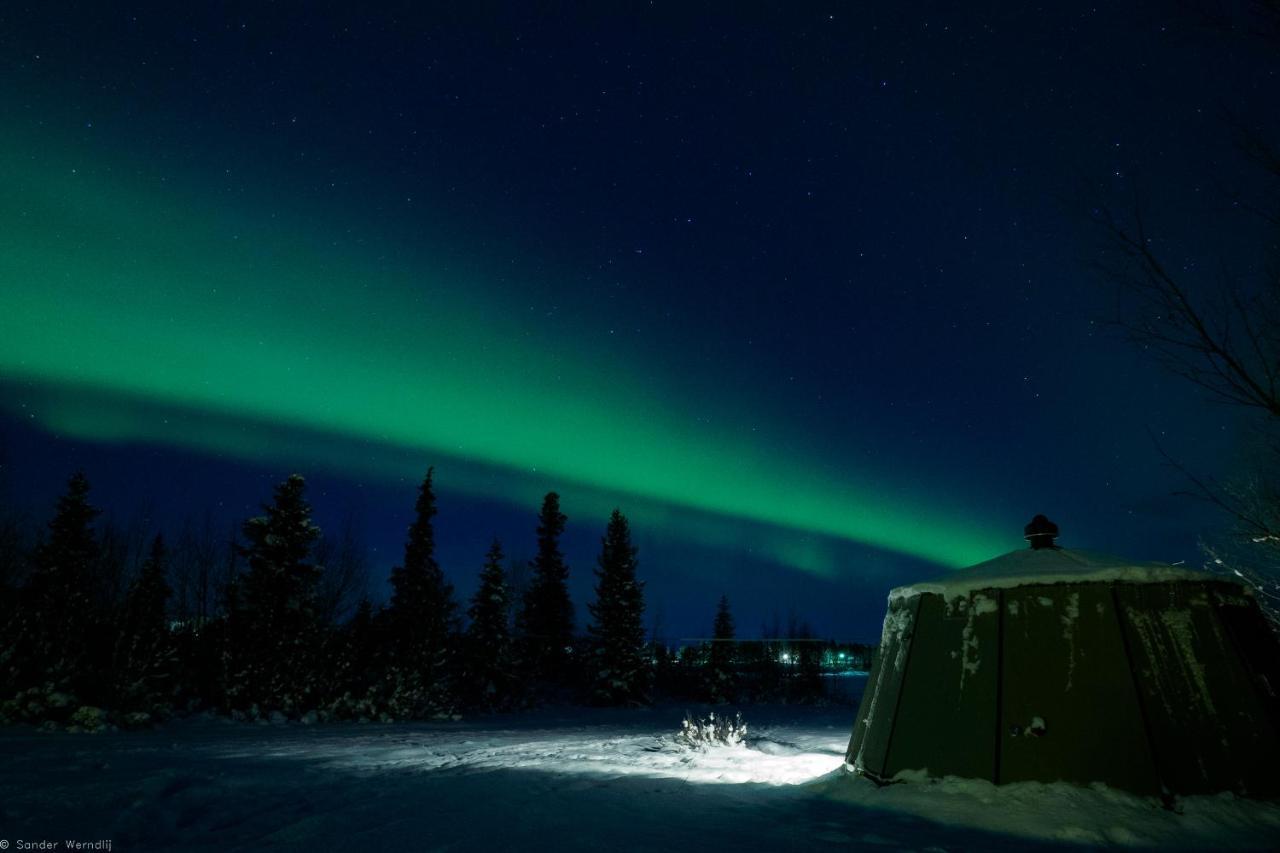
{"type": "Point", "coordinates": [577, 779]}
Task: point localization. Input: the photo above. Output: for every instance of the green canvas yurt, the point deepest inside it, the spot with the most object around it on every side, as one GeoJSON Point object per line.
{"type": "Point", "coordinates": [1050, 664]}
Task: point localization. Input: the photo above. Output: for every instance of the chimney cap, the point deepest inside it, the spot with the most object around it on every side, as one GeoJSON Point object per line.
{"type": "Point", "coordinates": [1040, 532]}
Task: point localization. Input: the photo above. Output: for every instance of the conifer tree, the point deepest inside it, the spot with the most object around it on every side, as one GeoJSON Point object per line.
{"type": "Point", "coordinates": [489, 677]}
{"type": "Point", "coordinates": [274, 658]}
{"type": "Point", "coordinates": [720, 676]}
{"type": "Point", "coordinates": [145, 663]}
{"type": "Point", "coordinates": [64, 562]}
{"type": "Point", "coordinates": [621, 673]}
{"type": "Point", "coordinates": [547, 617]}
{"type": "Point", "coordinates": [422, 619]}
{"type": "Point", "coordinates": [51, 639]}
{"type": "Point", "coordinates": [355, 671]}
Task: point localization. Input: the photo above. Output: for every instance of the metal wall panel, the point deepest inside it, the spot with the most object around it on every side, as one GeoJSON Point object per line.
{"type": "Point", "coordinates": [872, 727]}
{"type": "Point", "coordinates": [1065, 666]}
{"type": "Point", "coordinates": [1210, 729]}
{"type": "Point", "coordinates": [946, 717]}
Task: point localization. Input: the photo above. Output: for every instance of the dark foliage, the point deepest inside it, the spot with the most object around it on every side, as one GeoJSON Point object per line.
{"type": "Point", "coordinates": [547, 617]}
{"type": "Point", "coordinates": [54, 638]}
{"type": "Point", "coordinates": [275, 634]}
{"type": "Point", "coordinates": [621, 672]}
{"type": "Point", "coordinates": [721, 686]}
{"type": "Point", "coordinates": [421, 622]}
{"type": "Point", "coordinates": [489, 673]}
{"type": "Point", "coordinates": [145, 659]}
{"type": "Point", "coordinates": [96, 637]}
{"type": "Point", "coordinates": [356, 666]}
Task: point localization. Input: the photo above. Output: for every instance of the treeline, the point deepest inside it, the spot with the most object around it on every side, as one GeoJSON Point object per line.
{"type": "Point", "coordinates": [277, 627]}
{"type": "Point", "coordinates": [788, 664]}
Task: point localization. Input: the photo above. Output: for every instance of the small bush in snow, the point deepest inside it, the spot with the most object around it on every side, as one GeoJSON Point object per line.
{"type": "Point", "coordinates": [37, 705]}
{"type": "Point", "coordinates": [88, 719]}
{"type": "Point", "coordinates": [698, 733]}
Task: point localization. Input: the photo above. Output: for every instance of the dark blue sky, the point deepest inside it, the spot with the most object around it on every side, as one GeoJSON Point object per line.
{"type": "Point", "coordinates": [859, 238]}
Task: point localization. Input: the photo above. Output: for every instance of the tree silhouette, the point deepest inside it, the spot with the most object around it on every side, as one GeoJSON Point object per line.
{"type": "Point", "coordinates": [547, 617]}
{"type": "Point", "coordinates": [490, 681]}
{"type": "Point", "coordinates": [621, 673]}
{"type": "Point", "coordinates": [273, 658]}
{"type": "Point", "coordinates": [422, 620]}
{"type": "Point", "coordinates": [721, 683]}
{"type": "Point", "coordinates": [56, 629]}
{"type": "Point", "coordinates": [145, 655]}
{"type": "Point", "coordinates": [356, 666]}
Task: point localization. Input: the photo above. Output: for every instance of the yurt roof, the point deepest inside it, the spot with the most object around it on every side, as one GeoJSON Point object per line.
{"type": "Point", "coordinates": [1050, 566]}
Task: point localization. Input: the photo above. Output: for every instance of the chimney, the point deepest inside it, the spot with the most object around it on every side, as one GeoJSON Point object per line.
{"type": "Point", "coordinates": [1040, 533]}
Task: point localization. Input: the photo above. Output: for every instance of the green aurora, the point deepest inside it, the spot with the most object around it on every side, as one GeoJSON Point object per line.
{"type": "Point", "coordinates": [248, 314]}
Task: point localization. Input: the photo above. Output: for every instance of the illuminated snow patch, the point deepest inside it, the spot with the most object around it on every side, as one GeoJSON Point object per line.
{"type": "Point", "coordinates": [760, 760]}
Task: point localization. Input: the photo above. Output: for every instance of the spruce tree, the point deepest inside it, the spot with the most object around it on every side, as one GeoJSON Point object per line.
{"type": "Point", "coordinates": [422, 619]}
{"type": "Point", "coordinates": [145, 662]}
{"type": "Point", "coordinates": [547, 617]}
{"type": "Point", "coordinates": [720, 676]}
{"type": "Point", "coordinates": [52, 638]}
{"type": "Point", "coordinates": [621, 673]}
{"type": "Point", "coordinates": [354, 663]}
{"type": "Point", "coordinates": [489, 678]}
{"type": "Point", "coordinates": [276, 639]}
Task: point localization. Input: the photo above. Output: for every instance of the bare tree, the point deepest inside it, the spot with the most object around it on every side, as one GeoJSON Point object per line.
{"type": "Point", "coordinates": [1222, 335]}
{"type": "Point", "coordinates": [1228, 343]}
{"type": "Point", "coordinates": [16, 526]}
{"type": "Point", "coordinates": [193, 565]}
{"type": "Point", "coordinates": [517, 586]}
{"type": "Point", "coordinates": [122, 549]}
{"type": "Point", "coordinates": [658, 623]}
{"type": "Point", "coordinates": [230, 568]}
{"type": "Point", "coordinates": [15, 545]}
{"type": "Point", "coordinates": [346, 571]}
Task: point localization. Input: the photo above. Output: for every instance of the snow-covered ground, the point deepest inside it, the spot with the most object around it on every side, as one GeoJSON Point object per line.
{"type": "Point", "coordinates": [556, 781]}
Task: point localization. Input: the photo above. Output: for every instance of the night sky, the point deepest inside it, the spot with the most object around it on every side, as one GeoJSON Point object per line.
{"type": "Point", "coordinates": [806, 290]}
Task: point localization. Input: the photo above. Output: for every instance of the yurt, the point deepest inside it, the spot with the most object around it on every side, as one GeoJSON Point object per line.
{"type": "Point", "coordinates": [1050, 664]}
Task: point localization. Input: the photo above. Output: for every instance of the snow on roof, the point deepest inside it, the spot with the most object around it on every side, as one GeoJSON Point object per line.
{"type": "Point", "coordinates": [1049, 566]}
